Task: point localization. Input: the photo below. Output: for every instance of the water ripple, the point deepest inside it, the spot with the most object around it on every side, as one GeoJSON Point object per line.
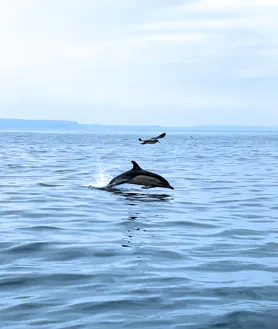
{"type": "Point", "coordinates": [74, 255]}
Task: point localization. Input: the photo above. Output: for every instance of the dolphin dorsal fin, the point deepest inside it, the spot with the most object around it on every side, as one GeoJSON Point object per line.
{"type": "Point", "coordinates": [135, 165]}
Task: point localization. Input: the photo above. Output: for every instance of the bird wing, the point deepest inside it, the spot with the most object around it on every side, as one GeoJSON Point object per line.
{"type": "Point", "coordinates": [160, 136]}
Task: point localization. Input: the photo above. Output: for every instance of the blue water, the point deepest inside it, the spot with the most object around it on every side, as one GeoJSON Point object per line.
{"type": "Point", "coordinates": [204, 255]}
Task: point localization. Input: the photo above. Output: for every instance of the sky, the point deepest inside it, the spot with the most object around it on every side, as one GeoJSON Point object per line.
{"type": "Point", "coordinates": [140, 62]}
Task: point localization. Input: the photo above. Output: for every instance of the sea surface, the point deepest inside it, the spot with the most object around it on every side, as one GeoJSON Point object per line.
{"type": "Point", "coordinates": [75, 256]}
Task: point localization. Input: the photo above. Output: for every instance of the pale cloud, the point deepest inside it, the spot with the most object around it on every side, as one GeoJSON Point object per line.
{"type": "Point", "coordinates": [200, 15]}
{"type": "Point", "coordinates": [269, 3]}
{"type": "Point", "coordinates": [208, 6]}
{"type": "Point", "coordinates": [196, 24]}
{"type": "Point", "coordinates": [166, 38]}
{"type": "Point", "coordinates": [229, 28]}
{"type": "Point", "coordinates": [200, 61]}
{"type": "Point", "coordinates": [253, 14]}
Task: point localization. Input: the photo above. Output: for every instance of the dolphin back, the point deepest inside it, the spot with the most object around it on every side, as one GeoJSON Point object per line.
{"type": "Point", "coordinates": [152, 174]}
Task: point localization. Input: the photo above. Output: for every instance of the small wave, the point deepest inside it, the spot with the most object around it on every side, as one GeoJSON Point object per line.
{"type": "Point", "coordinates": [41, 227]}
{"type": "Point", "coordinates": [27, 247]}
{"type": "Point", "coordinates": [242, 319]}
{"type": "Point", "coordinates": [46, 185]}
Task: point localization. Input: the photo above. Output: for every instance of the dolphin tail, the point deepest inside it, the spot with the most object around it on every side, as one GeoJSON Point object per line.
{"type": "Point", "coordinates": [117, 181]}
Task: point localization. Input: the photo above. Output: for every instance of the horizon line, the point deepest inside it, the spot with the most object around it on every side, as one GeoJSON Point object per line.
{"type": "Point", "coordinates": [141, 125]}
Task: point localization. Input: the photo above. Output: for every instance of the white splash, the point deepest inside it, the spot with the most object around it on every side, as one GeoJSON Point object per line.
{"type": "Point", "coordinates": [101, 179]}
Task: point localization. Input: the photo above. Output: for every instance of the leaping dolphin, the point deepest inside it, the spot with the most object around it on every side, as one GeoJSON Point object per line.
{"type": "Point", "coordinates": [152, 140]}
{"type": "Point", "coordinates": [139, 176]}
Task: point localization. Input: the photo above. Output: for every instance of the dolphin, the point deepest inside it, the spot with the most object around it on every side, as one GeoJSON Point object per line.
{"type": "Point", "coordinates": [139, 176]}
{"type": "Point", "coordinates": [152, 140]}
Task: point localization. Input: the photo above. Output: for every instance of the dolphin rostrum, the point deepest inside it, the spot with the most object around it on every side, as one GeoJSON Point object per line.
{"type": "Point", "coordinates": [139, 176]}
{"type": "Point", "coordinates": [152, 140]}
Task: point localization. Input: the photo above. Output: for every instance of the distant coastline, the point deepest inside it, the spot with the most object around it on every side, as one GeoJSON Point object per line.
{"type": "Point", "coordinates": [21, 124]}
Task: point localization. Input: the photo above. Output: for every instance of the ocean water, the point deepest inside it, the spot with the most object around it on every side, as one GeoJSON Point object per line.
{"type": "Point", "coordinates": [204, 255]}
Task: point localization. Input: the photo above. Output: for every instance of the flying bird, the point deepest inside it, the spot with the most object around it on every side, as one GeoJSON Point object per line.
{"type": "Point", "coordinates": [152, 140]}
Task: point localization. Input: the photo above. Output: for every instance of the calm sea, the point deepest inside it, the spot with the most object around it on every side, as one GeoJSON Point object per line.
{"type": "Point", "coordinates": [204, 255]}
